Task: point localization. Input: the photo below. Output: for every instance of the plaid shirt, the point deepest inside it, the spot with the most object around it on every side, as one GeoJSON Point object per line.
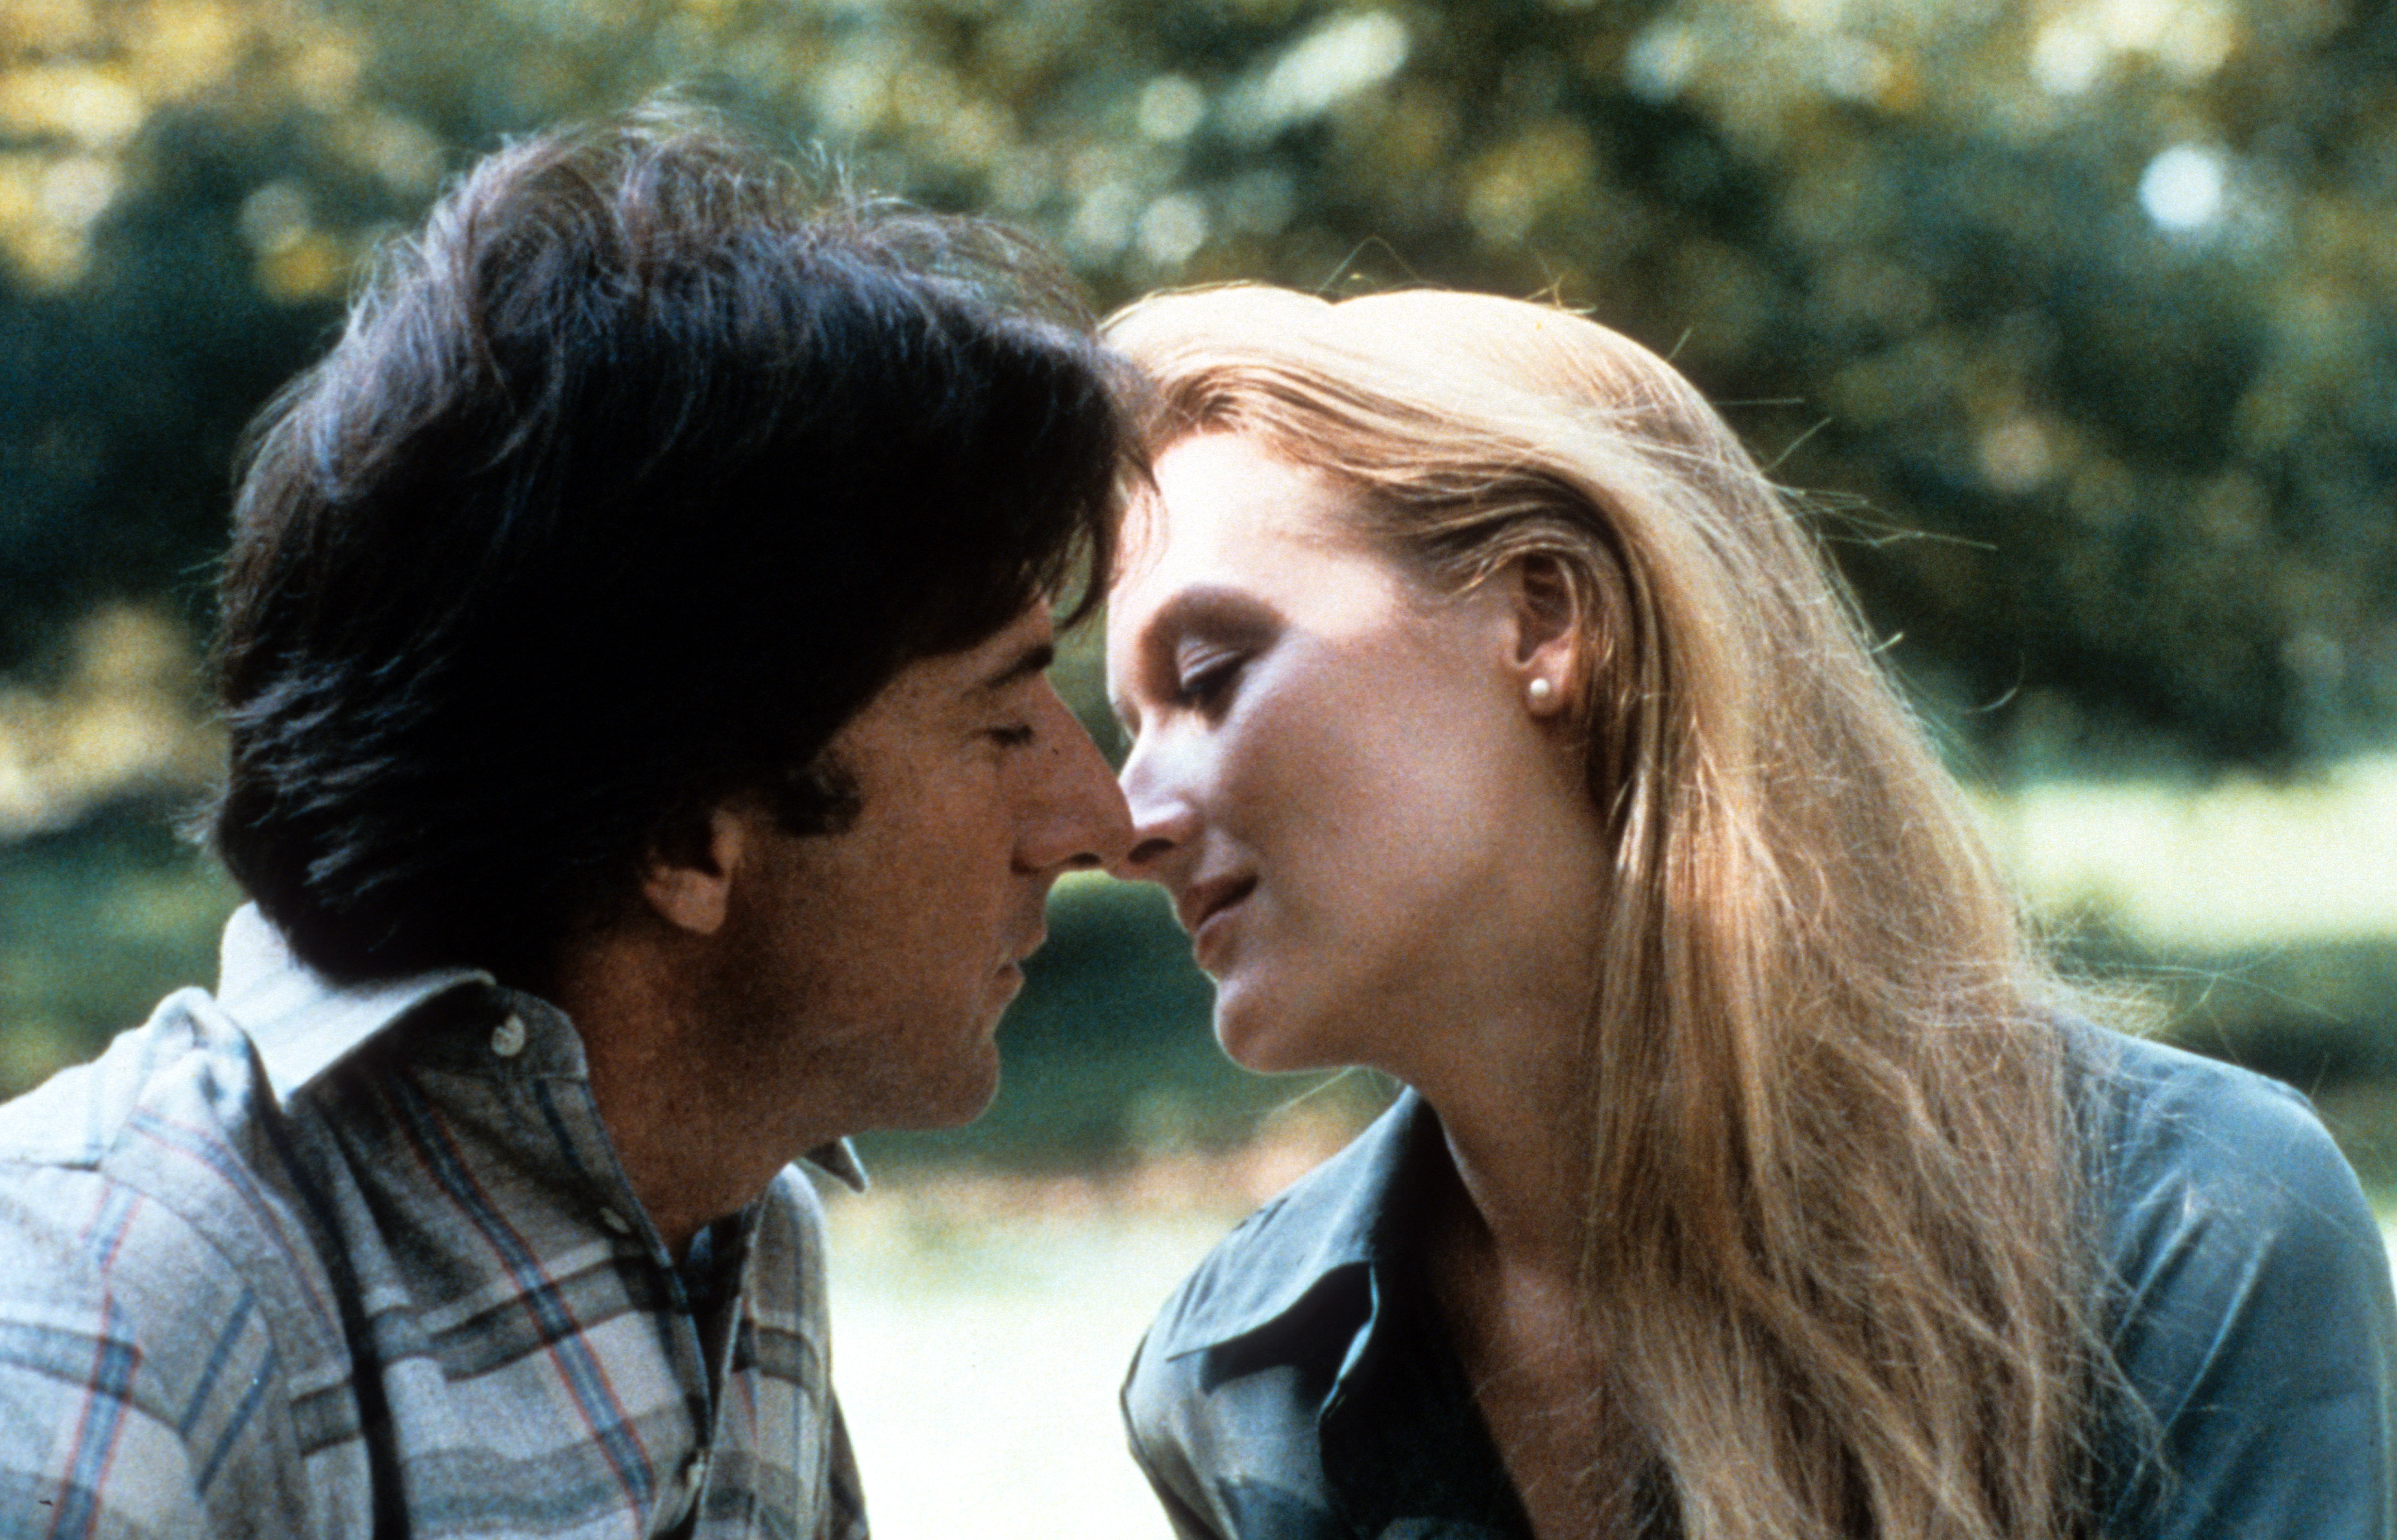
{"type": "Point", "coordinates": [281, 1264]}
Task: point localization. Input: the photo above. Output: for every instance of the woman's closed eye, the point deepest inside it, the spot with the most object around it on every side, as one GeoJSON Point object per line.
{"type": "Point", "coordinates": [1194, 651]}
{"type": "Point", "coordinates": [1203, 679]}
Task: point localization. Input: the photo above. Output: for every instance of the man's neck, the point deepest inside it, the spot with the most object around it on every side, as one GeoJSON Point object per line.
{"type": "Point", "coordinates": [671, 1090]}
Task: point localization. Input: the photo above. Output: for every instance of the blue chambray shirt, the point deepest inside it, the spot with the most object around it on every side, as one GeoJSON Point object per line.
{"type": "Point", "coordinates": [293, 1260]}
{"type": "Point", "coordinates": [1299, 1385]}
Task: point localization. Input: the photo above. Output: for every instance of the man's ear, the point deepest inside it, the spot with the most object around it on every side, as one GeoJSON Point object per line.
{"type": "Point", "coordinates": [1549, 650]}
{"type": "Point", "coordinates": [690, 881]}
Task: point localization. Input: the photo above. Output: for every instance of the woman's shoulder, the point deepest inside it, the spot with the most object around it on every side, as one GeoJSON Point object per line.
{"type": "Point", "coordinates": [2250, 1303]}
{"type": "Point", "coordinates": [2187, 1140]}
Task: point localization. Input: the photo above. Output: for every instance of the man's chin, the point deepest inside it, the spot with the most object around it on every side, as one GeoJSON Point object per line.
{"type": "Point", "coordinates": [965, 1109]}
{"type": "Point", "coordinates": [955, 1101]}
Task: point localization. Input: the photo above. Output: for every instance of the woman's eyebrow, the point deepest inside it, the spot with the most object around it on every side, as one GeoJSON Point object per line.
{"type": "Point", "coordinates": [1205, 606]}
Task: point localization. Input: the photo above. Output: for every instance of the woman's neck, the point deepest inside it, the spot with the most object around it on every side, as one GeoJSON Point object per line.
{"type": "Point", "coordinates": [1505, 1236]}
{"type": "Point", "coordinates": [1522, 1175]}
{"type": "Point", "coordinates": [1504, 1069]}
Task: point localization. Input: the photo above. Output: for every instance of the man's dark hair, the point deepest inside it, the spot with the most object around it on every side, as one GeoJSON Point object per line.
{"type": "Point", "coordinates": [630, 480]}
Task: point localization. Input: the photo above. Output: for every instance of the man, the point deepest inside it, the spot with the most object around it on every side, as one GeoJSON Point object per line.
{"type": "Point", "coordinates": [644, 774]}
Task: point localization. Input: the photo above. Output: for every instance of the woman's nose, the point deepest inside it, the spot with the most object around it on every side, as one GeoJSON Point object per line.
{"type": "Point", "coordinates": [1163, 819]}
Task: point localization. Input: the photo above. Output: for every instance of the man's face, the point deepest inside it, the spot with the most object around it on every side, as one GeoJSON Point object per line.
{"type": "Point", "coordinates": [863, 972]}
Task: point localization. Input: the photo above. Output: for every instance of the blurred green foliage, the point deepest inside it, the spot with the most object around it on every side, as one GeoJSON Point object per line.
{"type": "Point", "coordinates": [2075, 314]}
{"type": "Point", "coordinates": [98, 922]}
{"type": "Point", "coordinates": [2094, 295]}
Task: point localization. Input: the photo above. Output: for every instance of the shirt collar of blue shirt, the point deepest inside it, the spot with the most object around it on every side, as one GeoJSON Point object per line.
{"type": "Point", "coordinates": [301, 1023]}
{"type": "Point", "coordinates": [1328, 1279]}
{"type": "Point", "coordinates": [1336, 1219]}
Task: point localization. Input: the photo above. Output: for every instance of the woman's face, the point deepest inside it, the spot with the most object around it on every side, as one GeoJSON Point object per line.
{"type": "Point", "coordinates": [1364, 826]}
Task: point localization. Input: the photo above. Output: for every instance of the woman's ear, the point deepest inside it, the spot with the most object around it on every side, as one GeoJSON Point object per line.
{"type": "Point", "coordinates": [689, 882]}
{"type": "Point", "coordinates": [1547, 632]}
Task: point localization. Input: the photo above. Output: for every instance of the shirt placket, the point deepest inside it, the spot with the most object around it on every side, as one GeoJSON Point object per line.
{"type": "Point", "coordinates": [684, 1487]}
{"type": "Point", "coordinates": [690, 1350]}
{"type": "Point", "coordinates": [681, 1475]}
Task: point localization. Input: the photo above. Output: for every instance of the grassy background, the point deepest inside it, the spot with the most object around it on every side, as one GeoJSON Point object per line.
{"type": "Point", "coordinates": [2257, 923]}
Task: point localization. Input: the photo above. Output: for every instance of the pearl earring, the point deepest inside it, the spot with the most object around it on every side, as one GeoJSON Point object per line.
{"type": "Point", "coordinates": [1540, 690]}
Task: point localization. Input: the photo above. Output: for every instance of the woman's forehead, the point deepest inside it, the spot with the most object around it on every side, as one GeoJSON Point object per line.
{"type": "Point", "coordinates": [1230, 517]}
{"type": "Point", "coordinates": [1231, 486]}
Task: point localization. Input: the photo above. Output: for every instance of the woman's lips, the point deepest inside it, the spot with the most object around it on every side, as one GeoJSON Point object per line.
{"type": "Point", "coordinates": [1213, 913]}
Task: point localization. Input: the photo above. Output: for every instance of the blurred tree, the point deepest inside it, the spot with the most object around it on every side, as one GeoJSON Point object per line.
{"type": "Point", "coordinates": [2078, 310]}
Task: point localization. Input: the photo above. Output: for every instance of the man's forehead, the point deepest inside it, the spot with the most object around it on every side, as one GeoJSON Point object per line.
{"type": "Point", "coordinates": [1019, 651]}
{"type": "Point", "coordinates": [949, 688]}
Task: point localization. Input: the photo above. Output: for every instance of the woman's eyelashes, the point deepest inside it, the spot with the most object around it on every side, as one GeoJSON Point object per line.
{"type": "Point", "coordinates": [1016, 735]}
{"type": "Point", "coordinates": [1203, 679]}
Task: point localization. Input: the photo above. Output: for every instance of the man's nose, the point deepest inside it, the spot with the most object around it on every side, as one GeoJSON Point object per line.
{"type": "Point", "coordinates": [1080, 820]}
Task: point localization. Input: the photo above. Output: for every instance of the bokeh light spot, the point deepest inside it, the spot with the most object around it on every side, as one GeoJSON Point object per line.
{"type": "Point", "coordinates": [1170, 108]}
{"type": "Point", "coordinates": [1319, 71]}
{"type": "Point", "coordinates": [2183, 189]}
{"type": "Point", "coordinates": [1172, 230]}
{"type": "Point", "coordinates": [1103, 222]}
{"type": "Point", "coordinates": [275, 217]}
{"type": "Point", "coordinates": [76, 191]}
{"type": "Point", "coordinates": [2018, 457]}
{"type": "Point", "coordinates": [83, 103]}
{"type": "Point", "coordinates": [1660, 61]}
{"type": "Point", "coordinates": [2067, 59]}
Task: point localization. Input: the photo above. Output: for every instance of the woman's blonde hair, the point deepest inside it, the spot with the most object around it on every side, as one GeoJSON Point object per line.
{"type": "Point", "coordinates": [1837, 1258]}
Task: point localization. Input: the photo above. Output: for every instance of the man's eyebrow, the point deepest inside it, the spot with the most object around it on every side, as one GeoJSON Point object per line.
{"type": "Point", "coordinates": [1032, 660]}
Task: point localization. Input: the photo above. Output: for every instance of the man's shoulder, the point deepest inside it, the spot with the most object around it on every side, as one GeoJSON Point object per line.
{"type": "Point", "coordinates": [145, 1370]}
{"type": "Point", "coordinates": [83, 1116]}
{"type": "Point", "coordinates": [92, 1265]}
{"type": "Point", "coordinates": [151, 1161]}
{"type": "Point", "coordinates": [134, 1309]}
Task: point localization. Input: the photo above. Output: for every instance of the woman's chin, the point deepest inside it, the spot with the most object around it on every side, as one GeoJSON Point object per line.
{"type": "Point", "coordinates": [1269, 1042]}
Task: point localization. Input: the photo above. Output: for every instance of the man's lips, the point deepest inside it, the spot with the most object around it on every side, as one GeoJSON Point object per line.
{"type": "Point", "coordinates": [1202, 901]}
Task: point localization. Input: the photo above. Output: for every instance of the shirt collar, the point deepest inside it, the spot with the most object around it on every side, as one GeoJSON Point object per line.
{"type": "Point", "coordinates": [1335, 1217]}
{"type": "Point", "coordinates": [301, 1023]}
{"type": "Point", "coordinates": [838, 1160]}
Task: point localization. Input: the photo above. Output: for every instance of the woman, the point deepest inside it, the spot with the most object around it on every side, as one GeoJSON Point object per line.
{"type": "Point", "coordinates": [1496, 727]}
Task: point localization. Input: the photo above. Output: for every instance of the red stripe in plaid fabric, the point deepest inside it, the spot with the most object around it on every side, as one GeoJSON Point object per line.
{"type": "Point", "coordinates": [595, 1395]}
{"type": "Point", "coordinates": [115, 1359]}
